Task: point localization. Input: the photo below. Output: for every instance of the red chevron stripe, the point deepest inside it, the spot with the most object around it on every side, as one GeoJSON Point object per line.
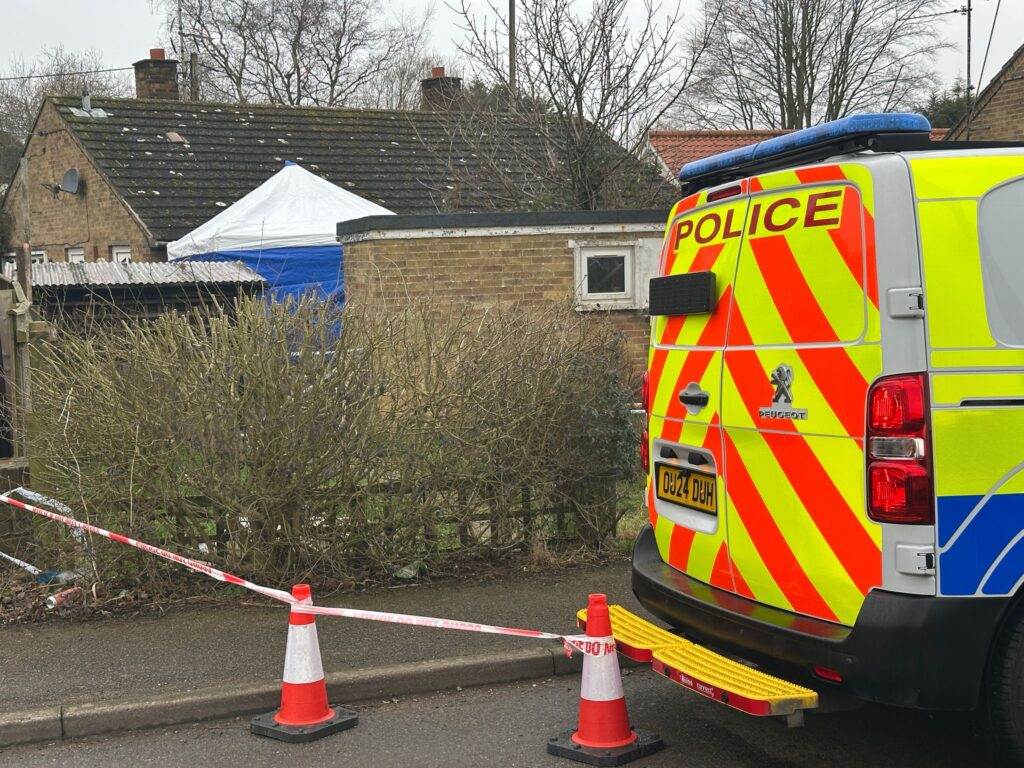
{"type": "Point", "coordinates": [686, 204]}
{"type": "Point", "coordinates": [839, 380]}
{"type": "Point", "coordinates": [658, 360]}
{"type": "Point", "coordinates": [679, 546]}
{"type": "Point", "coordinates": [849, 230]}
{"type": "Point", "coordinates": [819, 174]}
{"type": "Point", "coordinates": [703, 261]}
{"type": "Point", "coordinates": [828, 508]}
{"type": "Point", "coordinates": [721, 571]}
{"type": "Point", "coordinates": [741, 585]}
{"type": "Point", "coordinates": [697, 360]}
{"type": "Point", "coordinates": [771, 545]}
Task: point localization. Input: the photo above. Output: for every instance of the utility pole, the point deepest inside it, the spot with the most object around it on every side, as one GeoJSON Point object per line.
{"type": "Point", "coordinates": [23, 256]}
{"type": "Point", "coordinates": [181, 46]}
{"type": "Point", "coordinates": [511, 55]}
{"type": "Point", "coordinates": [969, 9]}
{"type": "Point", "coordinates": [193, 76]}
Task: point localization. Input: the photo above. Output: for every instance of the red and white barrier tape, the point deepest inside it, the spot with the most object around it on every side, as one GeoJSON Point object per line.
{"type": "Point", "coordinates": [188, 562]}
{"type": "Point", "coordinates": [581, 643]}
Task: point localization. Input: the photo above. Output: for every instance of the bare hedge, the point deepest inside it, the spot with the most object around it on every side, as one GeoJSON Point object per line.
{"type": "Point", "coordinates": [300, 441]}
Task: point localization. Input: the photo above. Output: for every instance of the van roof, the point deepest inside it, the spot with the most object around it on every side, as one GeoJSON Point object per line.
{"type": "Point", "coordinates": [882, 132]}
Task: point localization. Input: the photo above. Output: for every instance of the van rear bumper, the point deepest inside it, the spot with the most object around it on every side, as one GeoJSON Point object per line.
{"type": "Point", "coordinates": [906, 650]}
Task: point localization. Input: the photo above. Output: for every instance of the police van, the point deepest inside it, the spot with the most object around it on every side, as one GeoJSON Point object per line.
{"type": "Point", "coordinates": [835, 415]}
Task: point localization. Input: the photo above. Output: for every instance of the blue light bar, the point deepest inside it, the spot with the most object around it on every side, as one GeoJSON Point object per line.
{"type": "Point", "coordinates": [854, 125]}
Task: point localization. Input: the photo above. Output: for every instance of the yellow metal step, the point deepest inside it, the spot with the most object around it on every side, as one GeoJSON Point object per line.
{"type": "Point", "coordinates": [636, 638]}
{"type": "Point", "coordinates": [704, 671]}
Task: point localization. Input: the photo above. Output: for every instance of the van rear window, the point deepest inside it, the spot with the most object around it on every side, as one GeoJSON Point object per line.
{"type": "Point", "coordinates": [1001, 238]}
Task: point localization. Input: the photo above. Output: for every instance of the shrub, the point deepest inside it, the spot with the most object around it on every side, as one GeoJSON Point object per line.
{"type": "Point", "coordinates": [297, 441]}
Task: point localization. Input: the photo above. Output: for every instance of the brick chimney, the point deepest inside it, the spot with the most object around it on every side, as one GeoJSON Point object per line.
{"type": "Point", "coordinates": [157, 77]}
{"type": "Point", "coordinates": [440, 93]}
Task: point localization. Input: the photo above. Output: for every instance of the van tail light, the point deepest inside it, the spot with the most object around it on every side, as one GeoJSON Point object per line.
{"type": "Point", "coordinates": [899, 471]}
{"type": "Point", "coordinates": [645, 436]}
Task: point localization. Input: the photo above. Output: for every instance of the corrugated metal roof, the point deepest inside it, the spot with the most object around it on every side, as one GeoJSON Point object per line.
{"type": "Point", "coordinates": [104, 273]}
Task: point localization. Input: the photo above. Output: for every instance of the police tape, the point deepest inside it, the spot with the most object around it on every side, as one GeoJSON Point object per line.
{"type": "Point", "coordinates": [586, 645]}
{"type": "Point", "coordinates": [581, 643]}
{"type": "Point", "coordinates": [194, 565]}
{"type": "Point", "coordinates": [77, 533]}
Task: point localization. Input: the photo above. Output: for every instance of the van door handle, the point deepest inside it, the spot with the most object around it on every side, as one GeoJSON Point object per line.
{"type": "Point", "coordinates": [699, 399]}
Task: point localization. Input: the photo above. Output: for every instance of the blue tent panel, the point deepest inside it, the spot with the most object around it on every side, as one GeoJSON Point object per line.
{"type": "Point", "coordinates": [292, 271]}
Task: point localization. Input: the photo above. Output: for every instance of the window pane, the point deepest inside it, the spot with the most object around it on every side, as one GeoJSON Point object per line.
{"type": "Point", "coordinates": [1001, 232]}
{"type": "Point", "coordinates": [606, 274]}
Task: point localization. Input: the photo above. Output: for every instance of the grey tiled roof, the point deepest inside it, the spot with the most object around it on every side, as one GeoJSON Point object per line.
{"type": "Point", "coordinates": [409, 162]}
{"type": "Point", "coordinates": [106, 273]}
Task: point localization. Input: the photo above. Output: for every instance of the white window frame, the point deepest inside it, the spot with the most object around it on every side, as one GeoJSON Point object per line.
{"type": "Point", "coordinates": [39, 257]}
{"type": "Point", "coordinates": [625, 299]}
{"type": "Point", "coordinates": [121, 254]}
{"type": "Point", "coordinates": [74, 254]}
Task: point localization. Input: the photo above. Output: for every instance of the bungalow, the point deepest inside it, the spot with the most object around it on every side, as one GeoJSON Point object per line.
{"type": "Point", "coordinates": [117, 179]}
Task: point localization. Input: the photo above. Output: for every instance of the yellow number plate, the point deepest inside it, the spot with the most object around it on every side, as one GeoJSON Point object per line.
{"type": "Point", "coordinates": [687, 487]}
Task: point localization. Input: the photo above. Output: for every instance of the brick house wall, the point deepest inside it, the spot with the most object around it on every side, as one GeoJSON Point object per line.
{"type": "Point", "coordinates": [999, 115]}
{"type": "Point", "coordinates": [94, 220]}
{"type": "Point", "coordinates": [486, 265]}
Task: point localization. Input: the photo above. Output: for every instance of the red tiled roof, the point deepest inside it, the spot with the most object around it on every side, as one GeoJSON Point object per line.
{"type": "Point", "coordinates": [676, 148]}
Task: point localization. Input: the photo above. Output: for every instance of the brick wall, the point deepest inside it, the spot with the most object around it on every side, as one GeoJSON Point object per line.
{"type": "Point", "coordinates": [157, 79]}
{"type": "Point", "coordinates": [94, 220]}
{"type": "Point", "coordinates": [1000, 112]}
{"type": "Point", "coordinates": [482, 270]}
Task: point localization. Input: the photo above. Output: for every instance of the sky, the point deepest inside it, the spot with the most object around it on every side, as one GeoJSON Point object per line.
{"type": "Point", "coordinates": [123, 31]}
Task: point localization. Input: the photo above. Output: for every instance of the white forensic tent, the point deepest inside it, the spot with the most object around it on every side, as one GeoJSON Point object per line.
{"type": "Point", "coordinates": [285, 230]}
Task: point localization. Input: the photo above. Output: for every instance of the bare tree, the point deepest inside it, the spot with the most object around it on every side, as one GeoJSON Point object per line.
{"type": "Point", "coordinates": [605, 78]}
{"type": "Point", "coordinates": [397, 84]}
{"type": "Point", "coordinates": [795, 63]}
{"type": "Point", "coordinates": [316, 52]}
{"type": "Point", "coordinates": [56, 71]}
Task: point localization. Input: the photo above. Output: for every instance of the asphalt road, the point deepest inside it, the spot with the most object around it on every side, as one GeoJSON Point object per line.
{"type": "Point", "coordinates": [508, 726]}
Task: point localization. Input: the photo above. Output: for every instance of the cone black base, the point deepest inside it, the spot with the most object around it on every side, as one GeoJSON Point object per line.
{"type": "Point", "coordinates": [646, 743]}
{"type": "Point", "coordinates": [265, 725]}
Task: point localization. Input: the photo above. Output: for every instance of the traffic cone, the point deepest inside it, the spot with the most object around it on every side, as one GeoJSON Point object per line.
{"type": "Point", "coordinates": [304, 714]}
{"type": "Point", "coordinates": [604, 735]}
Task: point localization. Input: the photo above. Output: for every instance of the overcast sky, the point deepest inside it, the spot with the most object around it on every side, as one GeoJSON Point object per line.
{"type": "Point", "coordinates": [124, 30]}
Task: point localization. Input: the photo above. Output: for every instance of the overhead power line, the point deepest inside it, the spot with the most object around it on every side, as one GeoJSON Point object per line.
{"type": "Point", "coordinates": [962, 10]}
{"type": "Point", "coordinates": [981, 77]}
{"type": "Point", "coordinates": [66, 74]}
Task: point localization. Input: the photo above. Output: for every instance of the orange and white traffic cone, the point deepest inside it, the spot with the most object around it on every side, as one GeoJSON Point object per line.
{"type": "Point", "coordinates": [604, 736]}
{"type": "Point", "coordinates": [304, 714]}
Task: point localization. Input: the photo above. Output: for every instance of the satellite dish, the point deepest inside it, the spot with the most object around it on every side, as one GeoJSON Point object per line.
{"type": "Point", "coordinates": [72, 182]}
